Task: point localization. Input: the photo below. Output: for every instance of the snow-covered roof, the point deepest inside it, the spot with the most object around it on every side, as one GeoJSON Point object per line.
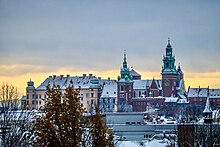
{"type": "Point", "coordinates": [134, 73]}
{"type": "Point", "coordinates": [214, 93]}
{"type": "Point", "coordinates": [77, 81]}
{"type": "Point", "coordinates": [208, 108]}
{"type": "Point", "coordinates": [109, 89]}
{"type": "Point", "coordinates": [171, 99]}
{"type": "Point", "coordinates": [183, 101]}
{"type": "Point", "coordinates": [203, 92]}
{"type": "Point", "coordinates": [140, 84]}
{"type": "Point", "coordinates": [197, 92]}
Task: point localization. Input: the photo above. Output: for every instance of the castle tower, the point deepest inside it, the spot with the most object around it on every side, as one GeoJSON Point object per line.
{"type": "Point", "coordinates": [125, 88]}
{"type": "Point", "coordinates": [169, 72]}
{"type": "Point", "coordinates": [30, 95]}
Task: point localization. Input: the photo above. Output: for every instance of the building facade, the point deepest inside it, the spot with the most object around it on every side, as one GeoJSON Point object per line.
{"type": "Point", "coordinates": [129, 92]}
{"type": "Point", "coordinates": [89, 90]}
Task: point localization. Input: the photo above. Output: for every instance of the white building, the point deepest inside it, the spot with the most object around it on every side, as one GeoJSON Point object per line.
{"type": "Point", "coordinates": [108, 99]}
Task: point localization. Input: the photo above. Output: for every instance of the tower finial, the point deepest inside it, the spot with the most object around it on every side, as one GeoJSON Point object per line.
{"type": "Point", "coordinates": [124, 55]}
{"type": "Point", "coordinates": [125, 62]}
{"type": "Point", "coordinates": [168, 39]}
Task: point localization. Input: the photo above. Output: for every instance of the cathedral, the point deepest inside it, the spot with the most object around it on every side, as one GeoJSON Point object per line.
{"type": "Point", "coordinates": [134, 94]}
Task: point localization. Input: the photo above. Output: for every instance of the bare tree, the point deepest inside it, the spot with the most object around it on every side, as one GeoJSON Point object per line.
{"type": "Point", "coordinates": [13, 122]}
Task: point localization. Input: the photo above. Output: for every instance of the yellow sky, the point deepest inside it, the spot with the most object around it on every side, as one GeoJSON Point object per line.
{"type": "Point", "coordinates": [211, 79]}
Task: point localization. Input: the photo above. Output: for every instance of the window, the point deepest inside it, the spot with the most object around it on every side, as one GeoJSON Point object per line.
{"type": "Point", "coordinates": [92, 94]}
{"type": "Point", "coordinates": [91, 89]}
{"type": "Point", "coordinates": [81, 105]}
{"type": "Point", "coordinates": [45, 96]}
{"type": "Point", "coordinates": [139, 93]}
{"type": "Point", "coordinates": [27, 96]}
{"type": "Point", "coordinates": [27, 102]}
{"type": "Point", "coordinates": [36, 96]}
{"type": "Point", "coordinates": [122, 87]}
{"type": "Point", "coordinates": [92, 102]}
{"type": "Point", "coordinates": [127, 123]}
{"type": "Point", "coordinates": [33, 102]}
{"type": "Point", "coordinates": [40, 96]}
{"type": "Point", "coordinates": [81, 98]}
{"type": "Point", "coordinates": [134, 93]}
{"type": "Point", "coordinates": [87, 95]}
{"type": "Point", "coordinates": [36, 102]}
{"type": "Point", "coordinates": [113, 101]}
{"type": "Point", "coordinates": [40, 102]}
{"type": "Point", "coordinates": [167, 65]}
{"type": "Point", "coordinates": [33, 96]}
{"type": "Point", "coordinates": [106, 92]}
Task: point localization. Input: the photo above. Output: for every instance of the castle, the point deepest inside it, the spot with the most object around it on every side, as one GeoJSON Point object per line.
{"type": "Point", "coordinates": [129, 92]}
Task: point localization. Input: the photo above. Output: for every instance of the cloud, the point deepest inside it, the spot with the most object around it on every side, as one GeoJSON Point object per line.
{"type": "Point", "coordinates": [84, 36]}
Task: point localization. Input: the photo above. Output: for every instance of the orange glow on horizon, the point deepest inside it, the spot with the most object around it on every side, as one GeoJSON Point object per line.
{"type": "Point", "coordinates": [211, 79]}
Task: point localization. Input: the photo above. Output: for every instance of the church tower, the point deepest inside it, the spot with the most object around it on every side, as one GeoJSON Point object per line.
{"type": "Point", "coordinates": [169, 72]}
{"type": "Point", "coordinates": [125, 88]}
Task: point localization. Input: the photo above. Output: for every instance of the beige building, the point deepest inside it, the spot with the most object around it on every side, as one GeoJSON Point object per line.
{"type": "Point", "coordinates": [89, 93]}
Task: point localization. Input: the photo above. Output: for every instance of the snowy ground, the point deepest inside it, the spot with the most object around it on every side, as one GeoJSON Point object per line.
{"type": "Point", "coordinates": [153, 143]}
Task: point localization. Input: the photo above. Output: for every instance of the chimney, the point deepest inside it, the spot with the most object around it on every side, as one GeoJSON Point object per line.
{"type": "Point", "coordinates": [67, 75]}
{"type": "Point", "coordinates": [90, 75]}
{"type": "Point", "coordinates": [50, 76]}
{"type": "Point", "coordinates": [99, 78]}
{"type": "Point", "coordinates": [109, 78]}
{"type": "Point", "coordinates": [84, 75]}
{"type": "Point", "coordinates": [54, 76]}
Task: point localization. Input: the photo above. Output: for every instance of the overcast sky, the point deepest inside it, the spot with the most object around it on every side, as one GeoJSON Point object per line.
{"type": "Point", "coordinates": [90, 35]}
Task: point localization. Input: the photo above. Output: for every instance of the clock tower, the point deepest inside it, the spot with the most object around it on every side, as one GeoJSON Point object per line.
{"type": "Point", "coordinates": [169, 72]}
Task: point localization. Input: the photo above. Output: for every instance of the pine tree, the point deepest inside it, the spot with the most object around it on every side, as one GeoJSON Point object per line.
{"type": "Point", "coordinates": [101, 136]}
{"type": "Point", "coordinates": [62, 124]}
{"type": "Point", "coordinates": [48, 127]}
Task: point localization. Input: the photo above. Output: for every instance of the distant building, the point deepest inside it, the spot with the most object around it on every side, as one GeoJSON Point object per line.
{"type": "Point", "coordinates": [108, 99]}
{"type": "Point", "coordinates": [137, 94]}
{"type": "Point", "coordinates": [197, 98]}
{"type": "Point", "coordinates": [90, 90]}
{"type": "Point", "coordinates": [125, 88]}
{"type": "Point", "coordinates": [129, 92]}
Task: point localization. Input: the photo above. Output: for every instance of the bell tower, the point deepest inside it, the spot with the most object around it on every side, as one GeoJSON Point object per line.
{"type": "Point", "coordinates": [125, 88]}
{"type": "Point", "coordinates": [169, 72]}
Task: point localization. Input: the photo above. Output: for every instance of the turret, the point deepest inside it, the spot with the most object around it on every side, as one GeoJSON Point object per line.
{"type": "Point", "coordinates": [30, 85]}
{"type": "Point", "coordinates": [207, 110]}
